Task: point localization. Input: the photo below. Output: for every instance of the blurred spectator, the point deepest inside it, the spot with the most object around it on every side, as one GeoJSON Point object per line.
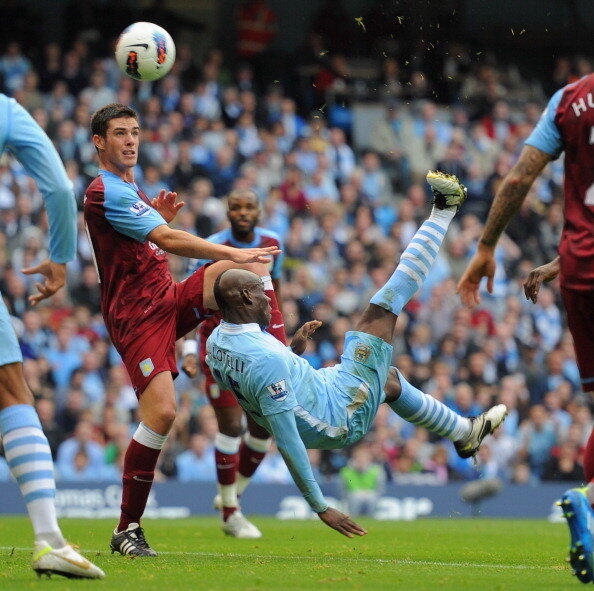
{"type": "Point", "coordinates": [346, 201]}
{"type": "Point", "coordinates": [197, 462]}
{"type": "Point", "coordinates": [362, 482]}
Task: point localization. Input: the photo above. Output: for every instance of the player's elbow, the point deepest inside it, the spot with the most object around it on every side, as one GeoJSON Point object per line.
{"type": "Point", "coordinates": [164, 237]}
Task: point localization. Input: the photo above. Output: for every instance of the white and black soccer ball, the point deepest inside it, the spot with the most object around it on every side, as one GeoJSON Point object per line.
{"type": "Point", "coordinates": [145, 51]}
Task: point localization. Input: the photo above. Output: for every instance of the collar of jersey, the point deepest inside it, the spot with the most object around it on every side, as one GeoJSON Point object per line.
{"type": "Point", "coordinates": [239, 244]}
{"type": "Point", "coordinates": [104, 172]}
{"type": "Point", "coordinates": [231, 328]}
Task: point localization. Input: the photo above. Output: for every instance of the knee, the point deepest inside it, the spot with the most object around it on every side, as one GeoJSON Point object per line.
{"type": "Point", "coordinates": [231, 427]}
{"type": "Point", "coordinates": [164, 415]}
{"type": "Point", "coordinates": [393, 387]}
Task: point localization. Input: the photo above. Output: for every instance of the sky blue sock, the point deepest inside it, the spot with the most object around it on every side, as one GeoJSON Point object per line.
{"type": "Point", "coordinates": [415, 263]}
{"type": "Point", "coordinates": [425, 411]}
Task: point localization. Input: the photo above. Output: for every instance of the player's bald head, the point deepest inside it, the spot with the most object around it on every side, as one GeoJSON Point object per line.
{"type": "Point", "coordinates": [230, 286]}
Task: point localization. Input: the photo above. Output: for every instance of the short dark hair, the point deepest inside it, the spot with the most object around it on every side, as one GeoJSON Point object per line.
{"type": "Point", "coordinates": [102, 117]}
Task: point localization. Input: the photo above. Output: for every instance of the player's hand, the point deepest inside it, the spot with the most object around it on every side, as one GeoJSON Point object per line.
{"type": "Point", "coordinates": [299, 341]}
{"type": "Point", "coordinates": [165, 204]}
{"type": "Point", "coordinates": [190, 365]}
{"type": "Point", "coordinates": [341, 523]}
{"type": "Point", "coordinates": [481, 265]}
{"type": "Point", "coordinates": [55, 278]}
{"type": "Point", "coordinates": [253, 255]}
{"type": "Point", "coordinates": [538, 276]}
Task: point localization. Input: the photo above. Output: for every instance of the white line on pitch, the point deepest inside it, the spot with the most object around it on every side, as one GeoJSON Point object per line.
{"type": "Point", "coordinates": [396, 561]}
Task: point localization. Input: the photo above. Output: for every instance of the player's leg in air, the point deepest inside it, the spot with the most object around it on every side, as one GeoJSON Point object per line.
{"type": "Point", "coordinates": [25, 445]}
{"type": "Point", "coordinates": [379, 319]}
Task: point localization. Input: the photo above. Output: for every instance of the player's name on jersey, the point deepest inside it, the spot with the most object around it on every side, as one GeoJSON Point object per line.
{"type": "Point", "coordinates": [229, 360]}
{"type": "Point", "coordinates": [583, 104]}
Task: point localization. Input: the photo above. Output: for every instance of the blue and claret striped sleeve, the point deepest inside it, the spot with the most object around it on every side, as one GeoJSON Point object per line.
{"type": "Point", "coordinates": [127, 212]}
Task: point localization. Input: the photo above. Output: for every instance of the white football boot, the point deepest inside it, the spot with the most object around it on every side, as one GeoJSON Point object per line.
{"type": "Point", "coordinates": [64, 561]}
{"type": "Point", "coordinates": [447, 190]}
{"type": "Point", "coordinates": [239, 527]}
{"type": "Point", "coordinates": [482, 425]}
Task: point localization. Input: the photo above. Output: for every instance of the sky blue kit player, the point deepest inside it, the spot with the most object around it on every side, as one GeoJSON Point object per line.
{"type": "Point", "coordinates": [25, 445]}
{"type": "Point", "coordinates": [334, 407]}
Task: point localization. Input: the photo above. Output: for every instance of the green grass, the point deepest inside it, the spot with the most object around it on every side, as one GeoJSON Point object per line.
{"type": "Point", "coordinates": [443, 554]}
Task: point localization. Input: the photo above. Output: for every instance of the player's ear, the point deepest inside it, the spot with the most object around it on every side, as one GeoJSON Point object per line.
{"type": "Point", "coordinates": [99, 141]}
{"type": "Point", "coordinates": [246, 296]}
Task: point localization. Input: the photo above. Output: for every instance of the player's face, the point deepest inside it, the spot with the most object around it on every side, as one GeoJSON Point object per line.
{"type": "Point", "coordinates": [119, 147]}
{"type": "Point", "coordinates": [243, 213]}
{"type": "Point", "coordinates": [261, 305]}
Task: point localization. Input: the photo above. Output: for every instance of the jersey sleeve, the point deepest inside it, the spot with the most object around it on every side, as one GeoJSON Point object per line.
{"type": "Point", "coordinates": [289, 443]}
{"type": "Point", "coordinates": [272, 386]}
{"type": "Point", "coordinates": [128, 213]}
{"type": "Point", "coordinates": [545, 136]}
{"type": "Point", "coordinates": [35, 151]}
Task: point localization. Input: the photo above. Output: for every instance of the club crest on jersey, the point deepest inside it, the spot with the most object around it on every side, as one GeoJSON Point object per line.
{"type": "Point", "coordinates": [146, 367]}
{"type": "Point", "coordinates": [362, 353]}
{"type": "Point", "coordinates": [278, 391]}
{"type": "Point", "coordinates": [139, 208]}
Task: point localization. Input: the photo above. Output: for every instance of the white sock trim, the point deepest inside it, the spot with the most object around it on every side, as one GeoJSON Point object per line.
{"type": "Point", "coordinates": [226, 444]}
{"type": "Point", "coordinates": [149, 438]}
{"type": "Point", "coordinates": [241, 483]}
{"type": "Point", "coordinates": [257, 444]}
{"type": "Point", "coordinates": [462, 430]}
{"type": "Point", "coordinates": [190, 347]}
{"type": "Point", "coordinates": [442, 217]}
{"type": "Point", "coordinates": [229, 495]}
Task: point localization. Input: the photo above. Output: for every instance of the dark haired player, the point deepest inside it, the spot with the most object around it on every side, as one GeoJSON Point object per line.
{"type": "Point", "coordinates": [334, 407]}
{"type": "Point", "coordinates": [145, 311]}
{"type": "Point", "coordinates": [237, 460]}
{"type": "Point", "coordinates": [567, 125]}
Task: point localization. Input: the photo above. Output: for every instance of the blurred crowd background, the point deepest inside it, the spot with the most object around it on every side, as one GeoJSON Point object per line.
{"type": "Point", "coordinates": [338, 161]}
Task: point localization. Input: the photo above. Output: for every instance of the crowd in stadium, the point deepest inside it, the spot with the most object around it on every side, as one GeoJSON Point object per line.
{"type": "Point", "coordinates": [345, 215]}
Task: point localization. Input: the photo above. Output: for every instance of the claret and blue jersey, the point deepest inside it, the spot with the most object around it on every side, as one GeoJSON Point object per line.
{"type": "Point", "coordinates": [567, 125]}
{"type": "Point", "coordinates": [119, 219]}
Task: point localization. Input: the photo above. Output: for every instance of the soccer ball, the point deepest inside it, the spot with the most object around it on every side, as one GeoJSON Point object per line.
{"type": "Point", "coordinates": [145, 51]}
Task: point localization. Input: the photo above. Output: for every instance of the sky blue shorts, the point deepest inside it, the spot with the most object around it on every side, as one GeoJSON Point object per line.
{"type": "Point", "coordinates": [10, 352]}
{"type": "Point", "coordinates": [359, 380]}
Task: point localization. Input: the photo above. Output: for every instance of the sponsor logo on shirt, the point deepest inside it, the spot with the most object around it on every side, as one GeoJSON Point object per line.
{"type": "Point", "coordinates": [139, 208]}
{"type": "Point", "coordinates": [278, 391]}
{"type": "Point", "coordinates": [362, 353]}
{"type": "Point", "coordinates": [146, 367]}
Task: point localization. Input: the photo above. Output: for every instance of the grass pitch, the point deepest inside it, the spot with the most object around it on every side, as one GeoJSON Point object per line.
{"type": "Point", "coordinates": [443, 554]}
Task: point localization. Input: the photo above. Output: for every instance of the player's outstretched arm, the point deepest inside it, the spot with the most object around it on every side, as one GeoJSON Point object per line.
{"type": "Point", "coordinates": [538, 276]}
{"type": "Point", "coordinates": [36, 152]}
{"type": "Point", "coordinates": [290, 445]}
{"type": "Point", "coordinates": [508, 200]}
{"type": "Point", "coordinates": [186, 245]}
